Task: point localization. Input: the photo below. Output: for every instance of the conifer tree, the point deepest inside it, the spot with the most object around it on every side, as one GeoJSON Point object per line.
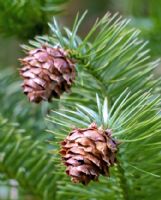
{"type": "Point", "coordinates": [106, 129]}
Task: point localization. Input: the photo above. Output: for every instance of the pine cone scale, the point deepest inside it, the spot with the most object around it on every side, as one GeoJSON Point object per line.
{"type": "Point", "coordinates": [41, 57]}
{"type": "Point", "coordinates": [29, 74]}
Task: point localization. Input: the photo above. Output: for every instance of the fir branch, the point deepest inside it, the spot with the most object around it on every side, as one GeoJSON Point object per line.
{"type": "Point", "coordinates": [134, 121]}
{"type": "Point", "coordinates": [110, 59]}
{"type": "Point", "coordinates": [111, 53]}
{"type": "Point", "coordinates": [27, 161]}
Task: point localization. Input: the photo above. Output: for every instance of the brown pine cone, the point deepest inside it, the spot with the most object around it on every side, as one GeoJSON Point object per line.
{"type": "Point", "coordinates": [87, 153]}
{"type": "Point", "coordinates": [47, 73]}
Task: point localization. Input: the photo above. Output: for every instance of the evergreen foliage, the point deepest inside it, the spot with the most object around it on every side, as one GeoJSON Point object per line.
{"type": "Point", "coordinates": [115, 87]}
{"type": "Point", "coordinates": [27, 161]}
{"type": "Point", "coordinates": [135, 122]}
{"type": "Point", "coordinates": [146, 16]}
{"type": "Point", "coordinates": [27, 18]}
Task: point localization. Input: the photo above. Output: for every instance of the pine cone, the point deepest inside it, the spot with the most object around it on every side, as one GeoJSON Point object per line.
{"type": "Point", "coordinates": [87, 153]}
{"type": "Point", "coordinates": [47, 73]}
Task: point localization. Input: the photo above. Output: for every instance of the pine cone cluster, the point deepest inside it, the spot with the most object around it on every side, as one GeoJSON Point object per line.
{"type": "Point", "coordinates": [87, 153]}
{"type": "Point", "coordinates": [47, 73]}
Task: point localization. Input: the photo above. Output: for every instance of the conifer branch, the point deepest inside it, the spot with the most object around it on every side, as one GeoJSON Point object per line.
{"type": "Point", "coordinates": [110, 59]}
{"type": "Point", "coordinates": [111, 53]}
{"type": "Point", "coordinates": [27, 161]}
{"type": "Point", "coordinates": [140, 127]}
{"type": "Point", "coordinates": [117, 59]}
